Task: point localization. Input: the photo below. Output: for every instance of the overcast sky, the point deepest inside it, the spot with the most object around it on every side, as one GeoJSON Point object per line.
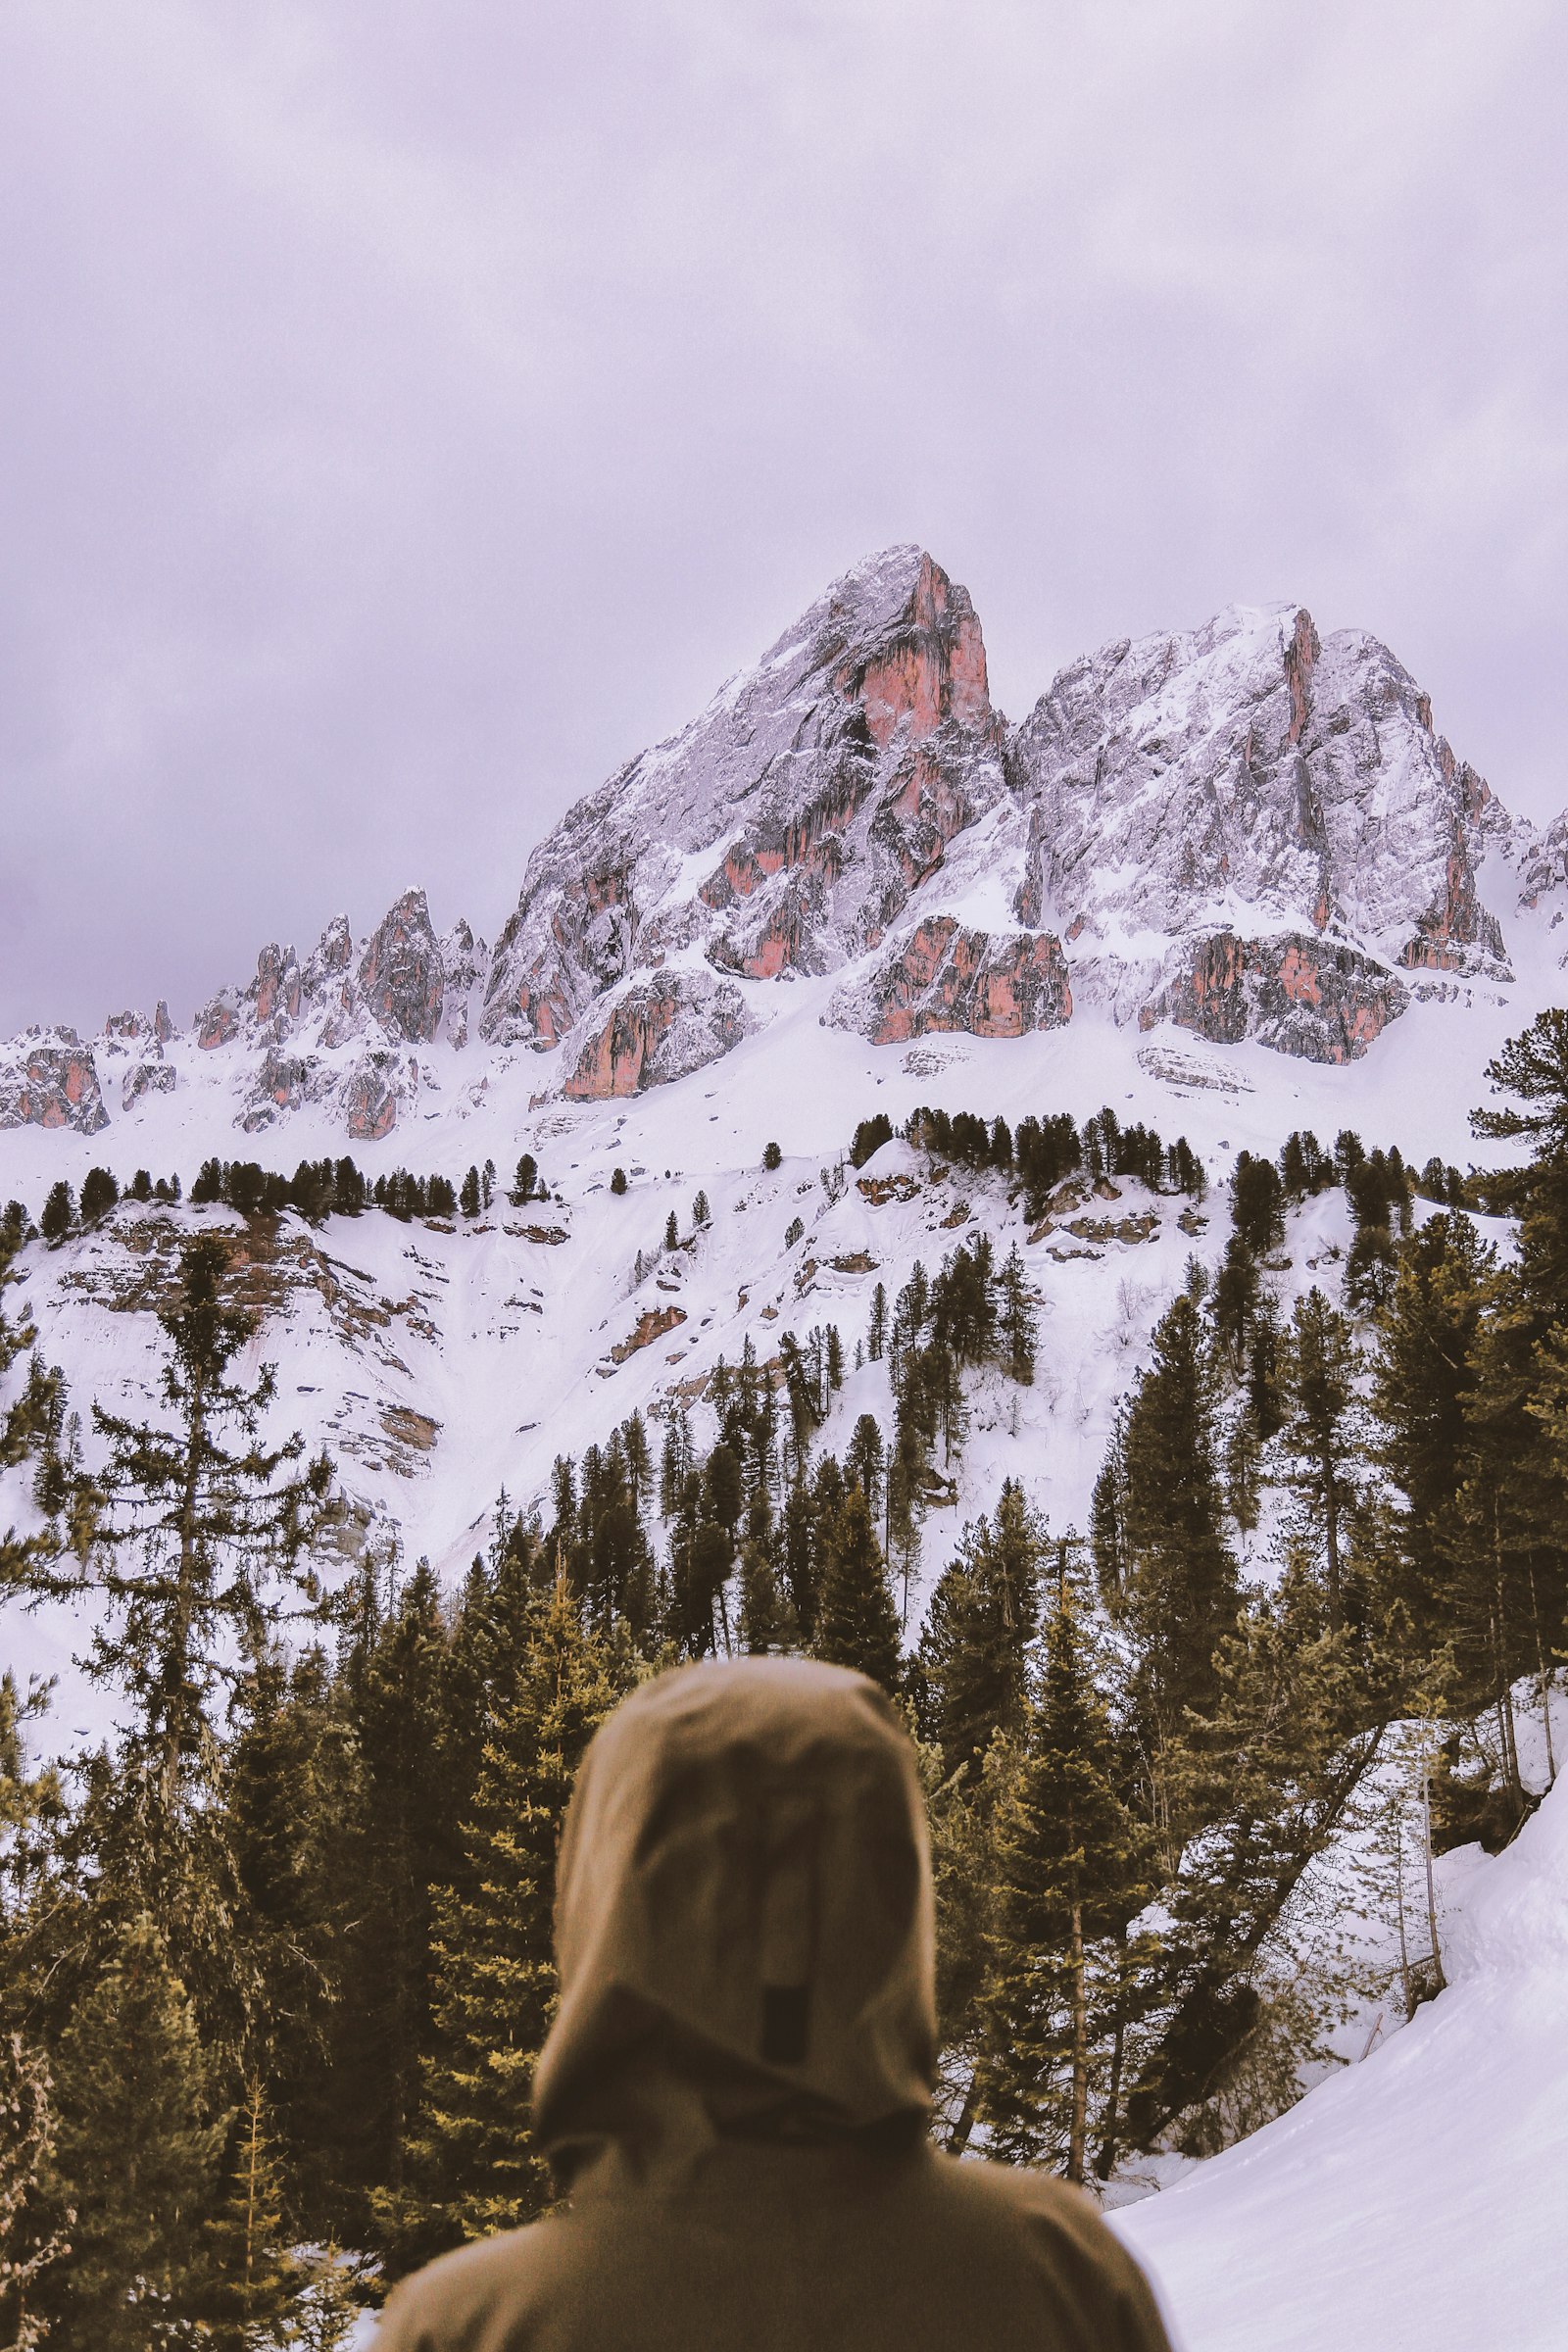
{"type": "Point", "coordinates": [406, 412]}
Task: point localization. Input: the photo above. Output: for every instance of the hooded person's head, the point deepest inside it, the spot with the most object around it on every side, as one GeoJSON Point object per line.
{"type": "Point", "coordinates": [743, 1922]}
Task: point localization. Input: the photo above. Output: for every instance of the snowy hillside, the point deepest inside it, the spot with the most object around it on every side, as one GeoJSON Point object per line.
{"type": "Point", "coordinates": [442, 1362]}
{"type": "Point", "coordinates": [1229, 884]}
{"type": "Point", "coordinates": [1415, 2200]}
{"type": "Point", "coordinates": [850, 886]}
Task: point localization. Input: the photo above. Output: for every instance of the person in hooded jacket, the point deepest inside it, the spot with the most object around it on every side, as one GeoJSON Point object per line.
{"type": "Point", "coordinates": [735, 2094]}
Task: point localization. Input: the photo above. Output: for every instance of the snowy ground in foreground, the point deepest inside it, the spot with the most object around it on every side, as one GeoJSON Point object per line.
{"type": "Point", "coordinates": [1420, 2199]}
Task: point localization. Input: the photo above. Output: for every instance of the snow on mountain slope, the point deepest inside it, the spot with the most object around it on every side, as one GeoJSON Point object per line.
{"type": "Point", "coordinates": [440, 1363]}
{"type": "Point", "coordinates": [1198, 884]}
{"type": "Point", "coordinates": [1415, 2201]}
{"type": "Point", "coordinates": [1243, 831]}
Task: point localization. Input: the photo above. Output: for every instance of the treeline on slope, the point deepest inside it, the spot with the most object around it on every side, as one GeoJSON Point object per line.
{"type": "Point", "coordinates": [1043, 1152]}
{"type": "Point", "coordinates": [318, 1187]}
{"type": "Point", "coordinates": [280, 1953]}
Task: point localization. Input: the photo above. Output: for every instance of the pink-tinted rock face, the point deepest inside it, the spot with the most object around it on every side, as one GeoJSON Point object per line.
{"type": "Point", "coordinates": [1456, 923]}
{"type": "Point", "coordinates": [277, 984]}
{"type": "Point", "coordinates": [1298, 995]}
{"type": "Point", "coordinates": [948, 978]}
{"type": "Point", "coordinates": [663, 1028]}
{"type": "Point", "coordinates": [786, 827]}
{"type": "Point", "coordinates": [51, 1080]}
{"type": "Point", "coordinates": [543, 976]}
{"type": "Point", "coordinates": [400, 972]}
{"type": "Point", "coordinates": [280, 1085]}
{"type": "Point", "coordinates": [935, 671]}
{"type": "Point", "coordinates": [217, 1022]}
{"type": "Point", "coordinates": [370, 1105]}
{"type": "Point", "coordinates": [1302, 650]}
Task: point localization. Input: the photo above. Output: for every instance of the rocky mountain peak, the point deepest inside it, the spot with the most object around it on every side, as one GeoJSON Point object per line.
{"type": "Point", "coordinates": [783, 830]}
{"type": "Point", "coordinates": [1251, 829]}
{"type": "Point", "coordinates": [401, 975]}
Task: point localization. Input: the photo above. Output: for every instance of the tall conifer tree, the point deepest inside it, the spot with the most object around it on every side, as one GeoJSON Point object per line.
{"type": "Point", "coordinates": [1067, 1879]}
{"type": "Point", "coordinates": [138, 2153]}
{"type": "Point", "coordinates": [857, 1622]}
{"type": "Point", "coordinates": [471, 2167]}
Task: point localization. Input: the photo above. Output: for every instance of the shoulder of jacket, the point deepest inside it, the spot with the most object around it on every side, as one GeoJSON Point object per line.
{"type": "Point", "coordinates": [438, 2306]}
{"type": "Point", "coordinates": [1068, 2227]}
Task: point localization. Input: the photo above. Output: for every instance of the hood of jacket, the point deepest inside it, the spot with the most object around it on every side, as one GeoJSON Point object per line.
{"type": "Point", "coordinates": [744, 1921]}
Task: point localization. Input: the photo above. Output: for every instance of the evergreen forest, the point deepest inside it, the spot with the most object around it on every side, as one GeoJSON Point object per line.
{"type": "Point", "coordinates": [275, 1963]}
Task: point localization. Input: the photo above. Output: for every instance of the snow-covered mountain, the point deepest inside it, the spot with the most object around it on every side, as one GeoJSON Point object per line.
{"type": "Point", "coordinates": [1244, 830]}
{"type": "Point", "coordinates": [1230, 882]}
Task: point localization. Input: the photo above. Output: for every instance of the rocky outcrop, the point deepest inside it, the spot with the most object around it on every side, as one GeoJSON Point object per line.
{"type": "Point", "coordinates": [370, 1095]}
{"type": "Point", "coordinates": [332, 1029]}
{"type": "Point", "coordinates": [785, 828]}
{"type": "Point", "coordinates": [1251, 778]}
{"type": "Point", "coordinates": [464, 965]}
{"type": "Point", "coordinates": [663, 1028]}
{"type": "Point", "coordinates": [401, 979]}
{"type": "Point", "coordinates": [217, 1022]}
{"type": "Point", "coordinates": [146, 1078]}
{"type": "Point", "coordinates": [945, 977]}
{"type": "Point", "coordinates": [48, 1078]}
{"type": "Point", "coordinates": [281, 1085]}
{"type": "Point", "coordinates": [653, 1324]}
{"type": "Point", "coordinates": [1297, 994]}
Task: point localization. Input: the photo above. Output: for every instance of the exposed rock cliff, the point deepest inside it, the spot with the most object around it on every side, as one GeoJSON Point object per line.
{"type": "Point", "coordinates": [336, 1029]}
{"type": "Point", "coordinates": [48, 1078]}
{"type": "Point", "coordinates": [946, 977]}
{"type": "Point", "coordinates": [783, 830]}
{"type": "Point", "coordinates": [1248, 782]}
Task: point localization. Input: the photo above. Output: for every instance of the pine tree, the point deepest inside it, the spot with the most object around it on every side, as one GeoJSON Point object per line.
{"type": "Point", "coordinates": [1534, 1066]}
{"type": "Point", "coordinates": [254, 2280]}
{"type": "Point", "coordinates": [99, 1195]}
{"type": "Point", "coordinates": [59, 1213]}
{"type": "Point", "coordinates": [137, 2152]}
{"type": "Point", "coordinates": [1068, 1862]}
{"type": "Point", "coordinates": [191, 1534]}
{"type": "Point", "coordinates": [1269, 1770]}
{"type": "Point", "coordinates": [1019, 1328]}
{"type": "Point", "coordinates": [472, 2167]}
{"type": "Point", "coordinates": [767, 1622]}
{"type": "Point", "coordinates": [978, 1632]}
{"type": "Point", "coordinates": [291, 1799]}
{"type": "Point", "coordinates": [405, 1847]}
{"type": "Point", "coordinates": [857, 1623]}
{"type": "Point", "coordinates": [1322, 1438]}
{"type": "Point", "coordinates": [865, 1459]}
{"type": "Point", "coordinates": [1180, 1593]}
{"type": "Point", "coordinates": [1423, 1371]}
{"type": "Point", "coordinates": [468, 1196]}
